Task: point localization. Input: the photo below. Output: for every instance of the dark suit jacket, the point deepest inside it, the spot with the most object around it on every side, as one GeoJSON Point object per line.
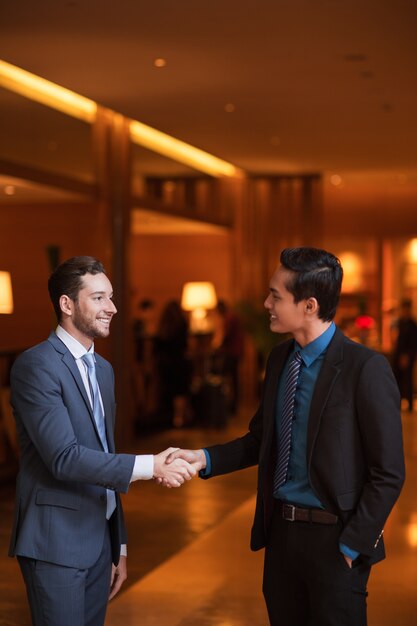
{"type": "Point", "coordinates": [60, 512]}
{"type": "Point", "coordinates": [354, 447]}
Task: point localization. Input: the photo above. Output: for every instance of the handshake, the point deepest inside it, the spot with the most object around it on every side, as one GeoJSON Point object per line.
{"type": "Point", "coordinates": [174, 466]}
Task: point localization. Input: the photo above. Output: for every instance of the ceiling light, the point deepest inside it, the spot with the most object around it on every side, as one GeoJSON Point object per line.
{"type": "Point", "coordinates": [229, 107]}
{"type": "Point", "coordinates": [61, 99]}
{"type": "Point", "coordinates": [10, 190]}
{"type": "Point", "coordinates": [160, 62]}
{"type": "Point", "coordinates": [40, 90]}
{"type": "Point", "coordinates": [336, 180]}
{"type": "Point", "coordinates": [159, 142]}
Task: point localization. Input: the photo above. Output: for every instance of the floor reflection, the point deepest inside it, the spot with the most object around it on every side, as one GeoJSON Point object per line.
{"type": "Point", "coordinates": [189, 557]}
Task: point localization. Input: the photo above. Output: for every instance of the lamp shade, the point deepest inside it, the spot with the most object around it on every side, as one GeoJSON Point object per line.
{"type": "Point", "coordinates": [6, 295]}
{"type": "Point", "coordinates": [198, 296]}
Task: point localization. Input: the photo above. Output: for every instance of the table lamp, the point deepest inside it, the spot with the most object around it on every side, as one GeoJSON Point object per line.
{"type": "Point", "coordinates": [6, 294]}
{"type": "Point", "coordinates": [197, 297]}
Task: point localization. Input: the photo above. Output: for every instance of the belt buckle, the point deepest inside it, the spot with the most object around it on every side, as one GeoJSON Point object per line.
{"type": "Point", "coordinates": [291, 514]}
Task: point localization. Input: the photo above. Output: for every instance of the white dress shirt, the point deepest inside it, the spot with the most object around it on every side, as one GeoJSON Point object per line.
{"type": "Point", "coordinates": [143, 468]}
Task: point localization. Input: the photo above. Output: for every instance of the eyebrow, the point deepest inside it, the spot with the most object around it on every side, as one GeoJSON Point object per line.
{"type": "Point", "coordinates": [100, 293]}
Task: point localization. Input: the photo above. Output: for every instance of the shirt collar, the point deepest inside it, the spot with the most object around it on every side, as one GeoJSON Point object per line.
{"type": "Point", "coordinates": [75, 347]}
{"type": "Point", "coordinates": [315, 348]}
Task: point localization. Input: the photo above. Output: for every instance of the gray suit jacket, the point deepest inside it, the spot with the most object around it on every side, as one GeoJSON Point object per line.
{"type": "Point", "coordinates": [60, 512]}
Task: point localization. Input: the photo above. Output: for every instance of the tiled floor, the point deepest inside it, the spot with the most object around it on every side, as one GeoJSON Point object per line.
{"type": "Point", "coordinates": [189, 560]}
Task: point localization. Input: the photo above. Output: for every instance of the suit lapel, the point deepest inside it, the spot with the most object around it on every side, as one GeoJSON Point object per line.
{"type": "Point", "coordinates": [324, 385]}
{"type": "Point", "coordinates": [69, 361]}
{"type": "Point", "coordinates": [271, 389]}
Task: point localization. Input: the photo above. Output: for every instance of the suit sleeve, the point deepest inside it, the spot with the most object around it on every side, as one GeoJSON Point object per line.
{"type": "Point", "coordinates": [43, 421]}
{"type": "Point", "coordinates": [379, 418]}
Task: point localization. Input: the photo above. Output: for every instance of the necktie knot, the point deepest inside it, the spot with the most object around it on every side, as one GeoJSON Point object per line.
{"type": "Point", "coordinates": [297, 356]}
{"type": "Point", "coordinates": [89, 360]}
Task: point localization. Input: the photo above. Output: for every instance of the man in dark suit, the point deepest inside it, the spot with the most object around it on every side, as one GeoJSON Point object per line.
{"type": "Point", "coordinates": [68, 526]}
{"type": "Point", "coordinates": [327, 438]}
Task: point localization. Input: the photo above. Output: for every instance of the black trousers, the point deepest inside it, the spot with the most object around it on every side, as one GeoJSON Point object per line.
{"type": "Point", "coordinates": [307, 581]}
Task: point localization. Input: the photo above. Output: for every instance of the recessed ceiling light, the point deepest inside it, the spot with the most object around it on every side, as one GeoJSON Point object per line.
{"type": "Point", "coordinates": [229, 107]}
{"type": "Point", "coordinates": [336, 180]}
{"type": "Point", "coordinates": [10, 190]}
{"type": "Point", "coordinates": [160, 62]}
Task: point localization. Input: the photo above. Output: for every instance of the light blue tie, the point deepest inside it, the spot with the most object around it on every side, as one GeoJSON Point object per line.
{"type": "Point", "coordinates": [287, 417]}
{"type": "Point", "coordinates": [89, 360]}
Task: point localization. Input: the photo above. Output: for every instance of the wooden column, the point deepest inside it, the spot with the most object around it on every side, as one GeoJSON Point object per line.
{"type": "Point", "coordinates": [113, 170]}
{"type": "Point", "coordinates": [275, 212]}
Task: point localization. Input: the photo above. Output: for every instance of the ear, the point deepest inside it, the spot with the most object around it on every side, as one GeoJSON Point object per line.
{"type": "Point", "coordinates": [66, 305]}
{"type": "Point", "coordinates": [311, 306]}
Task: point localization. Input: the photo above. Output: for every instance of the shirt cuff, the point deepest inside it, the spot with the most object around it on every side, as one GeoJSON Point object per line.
{"type": "Point", "coordinates": [143, 467]}
{"type": "Point", "coordinates": [352, 554]}
{"type": "Point", "coordinates": [123, 550]}
{"type": "Point", "coordinates": [207, 470]}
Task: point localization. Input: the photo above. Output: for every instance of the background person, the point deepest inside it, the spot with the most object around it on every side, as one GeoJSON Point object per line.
{"type": "Point", "coordinates": [231, 351]}
{"type": "Point", "coordinates": [405, 350]}
{"type": "Point", "coordinates": [173, 366]}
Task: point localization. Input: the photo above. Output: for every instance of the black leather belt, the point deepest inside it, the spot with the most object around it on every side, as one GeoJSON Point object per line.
{"type": "Point", "coordinates": [293, 513]}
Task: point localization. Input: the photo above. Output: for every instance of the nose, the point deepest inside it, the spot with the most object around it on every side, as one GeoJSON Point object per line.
{"type": "Point", "coordinates": [266, 303]}
{"type": "Point", "coordinates": [111, 308]}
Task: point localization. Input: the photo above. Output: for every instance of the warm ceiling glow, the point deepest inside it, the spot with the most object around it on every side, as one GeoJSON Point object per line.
{"type": "Point", "coordinates": [10, 190]}
{"type": "Point", "coordinates": [6, 294]}
{"type": "Point", "coordinates": [229, 107]}
{"type": "Point", "coordinates": [159, 142]}
{"type": "Point", "coordinates": [48, 93]}
{"type": "Point", "coordinates": [40, 90]}
{"type": "Point", "coordinates": [352, 272]}
{"type": "Point", "coordinates": [160, 62]}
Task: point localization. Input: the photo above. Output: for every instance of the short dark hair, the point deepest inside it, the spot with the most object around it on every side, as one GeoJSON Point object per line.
{"type": "Point", "coordinates": [67, 279]}
{"type": "Point", "coordinates": [316, 274]}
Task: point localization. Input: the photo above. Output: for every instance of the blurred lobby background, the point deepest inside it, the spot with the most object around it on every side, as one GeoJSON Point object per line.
{"type": "Point", "coordinates": [188, 142]}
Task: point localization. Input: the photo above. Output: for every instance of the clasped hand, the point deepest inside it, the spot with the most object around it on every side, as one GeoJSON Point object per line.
{"type": "Point", "coordinates": [174, 466]}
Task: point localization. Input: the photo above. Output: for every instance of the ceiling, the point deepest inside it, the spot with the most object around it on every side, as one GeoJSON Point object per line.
{"type": "Point", "coordinates": [270, 85]}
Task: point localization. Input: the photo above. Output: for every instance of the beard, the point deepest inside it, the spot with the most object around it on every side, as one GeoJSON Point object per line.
{"type": "Point", "coordinates": [91, 328]}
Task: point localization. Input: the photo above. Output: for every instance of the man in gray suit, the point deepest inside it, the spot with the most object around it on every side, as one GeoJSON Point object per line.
{"type": "Point", "coordinates": [68, 531]}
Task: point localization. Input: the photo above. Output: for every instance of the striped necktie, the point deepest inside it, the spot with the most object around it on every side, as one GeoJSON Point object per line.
{"type": "Point", "coordinates": [89, 360]}
{"type": "Point", "coordinates": [284, 444]}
